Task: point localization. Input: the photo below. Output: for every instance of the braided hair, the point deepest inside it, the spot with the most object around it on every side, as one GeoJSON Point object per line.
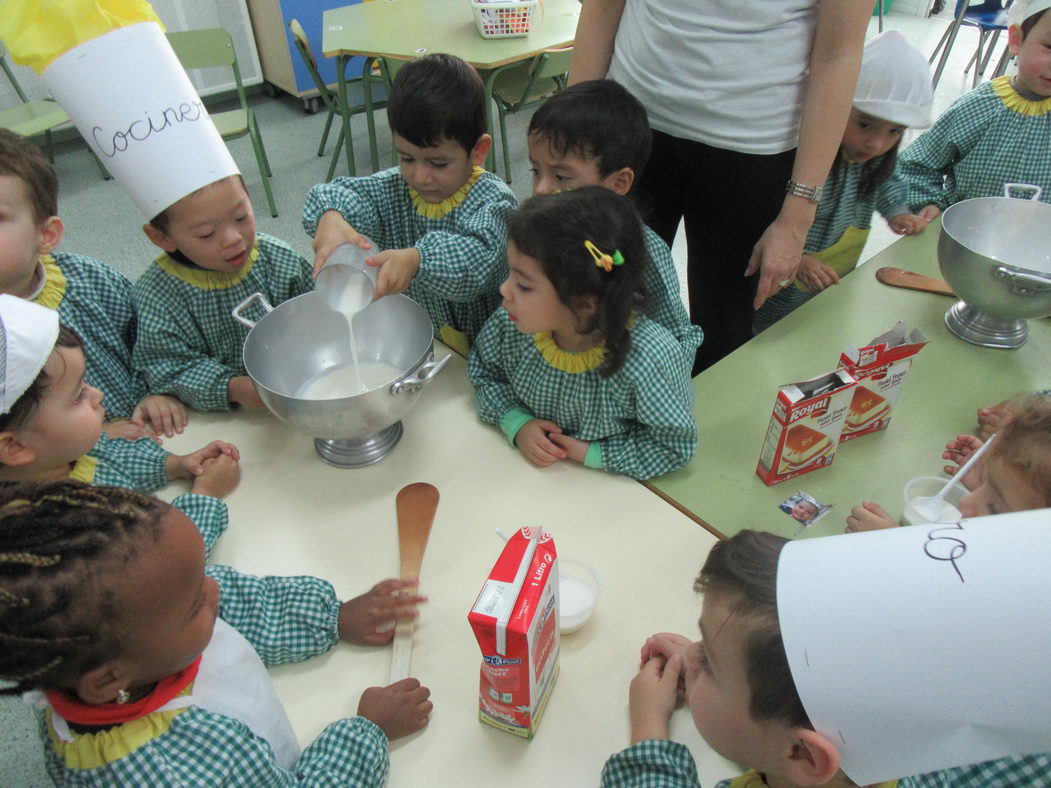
{"type": "Point", "coordinates": [553, 229]}
{"type": "Point", "coordinates": [61, 545]}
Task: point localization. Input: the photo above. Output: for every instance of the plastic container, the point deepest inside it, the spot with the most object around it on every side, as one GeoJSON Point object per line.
{"type": "Point", "coordinates": [497, 19]}
{"type": "Point", "coordinates": [579, 589]}
{"type": "Point", "coordinates": [926, 486]}
{"type": "Point", "coordinates": [346, 283]}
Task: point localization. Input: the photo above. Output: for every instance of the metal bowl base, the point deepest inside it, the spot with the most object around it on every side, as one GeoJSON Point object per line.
{"type": "Point", "coordinates": [981, 328]}
{"type": "Point", "coordinates": [359, 452]}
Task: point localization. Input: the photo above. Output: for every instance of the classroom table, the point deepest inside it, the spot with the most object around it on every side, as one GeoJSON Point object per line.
{"type": "Point", "coordinates": [404, 29]}
{"type": "Point", "coordinates": [292, 514]}
{"type": "Point", "coordinates": [949, 380]}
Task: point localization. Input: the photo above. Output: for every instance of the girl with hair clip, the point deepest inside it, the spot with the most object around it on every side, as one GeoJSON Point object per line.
{"type": "Point", "coordinates": [569, 367]}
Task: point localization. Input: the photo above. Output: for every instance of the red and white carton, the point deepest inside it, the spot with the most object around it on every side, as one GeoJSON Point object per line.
{"type": "Point", "coordinates": [515, 620]}
{"type": "Point", "coordinates": [880, 368]}
{"type": "Point", "coordinates": [804, 428]}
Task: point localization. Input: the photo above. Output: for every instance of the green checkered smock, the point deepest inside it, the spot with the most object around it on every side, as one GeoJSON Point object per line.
{"type": "Point", "coordinates": [209, 514]}
{"type": "Point", "coordinates": [640, 418]}
{"type": "Point", "coordinates": [988, 137]}
{"type": "Point", "coordinates": [662, 288]}
{"type": "Point", "coordinates": [841, 208]}
{"type": "Point", "coordinates": [667, 764]}
{"type": "Point", "coordinates": [95, 301]}
{"type": "Point", "coordinates": [286, 619]}
{"type": "Point", "coordinates": [463, 257]}
{"type": "Point", "coordinates": [189, 346]}
{"type": "Point", "coordinates": [136, 465]}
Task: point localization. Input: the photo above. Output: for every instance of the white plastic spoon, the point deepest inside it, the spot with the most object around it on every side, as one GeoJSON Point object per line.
{"type": "Point", "coordinates": [930, 506]}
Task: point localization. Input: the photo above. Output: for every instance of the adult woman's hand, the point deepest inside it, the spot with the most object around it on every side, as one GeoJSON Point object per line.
{"type": "Point", "coordinates": [776, 256]}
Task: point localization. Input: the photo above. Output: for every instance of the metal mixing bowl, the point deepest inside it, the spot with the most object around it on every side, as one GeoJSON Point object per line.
{"type": "Point", "coordinates": [995, 254]}
{"type": "Point", "coordinates": [301, 338]}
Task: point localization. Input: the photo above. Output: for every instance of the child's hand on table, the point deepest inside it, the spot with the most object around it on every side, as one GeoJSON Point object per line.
{"type": "Point", "coordinates": [908, 224]}
{"type": "Point", "coordinates": [164, 414]}
{"type": "Point", "coordinates": [665, 645]}
{"type": "Point", "coordinates": [653, 696]}
{"type": "Point", "coordinates": [399, 709]}
{"type": "Point", "coordinates": [218, 478]}
{"type": "Point", "coordinates": [241, 390]}
{"type": "Point", "coordinates": [397, 268]}
{"type": "Point", "coordinates": [815, 274]}
{"type": "Point", "coordinates": [929, 213]}
{"type": "Point", "coordinates": [993, 418]}
{"type": "Point", "coordinates": [574, 448]}
{"type": "Point", "coordinates": [957, 451]}
{"type": "Point", "coordinates": [869, 516]}
{"type": "Point", "coordinates": [535, 441]}
{"type": "Point", "coordinates": [190, 466]}
{"type": "Point", "coordinates": [332, 231]}
{"type": "Point", "coordinates": [127, 430]}
{"type": "Point", "coordinates": [369, 619]}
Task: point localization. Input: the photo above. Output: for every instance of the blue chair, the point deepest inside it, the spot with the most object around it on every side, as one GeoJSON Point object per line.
{"type": "Point", "coordinates": [989, 17]}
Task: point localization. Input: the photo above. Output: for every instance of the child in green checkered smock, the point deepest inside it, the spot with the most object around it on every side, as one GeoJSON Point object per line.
{"type": "Point", "coordinates": [437, 222]}
{"type": "Point", "coordinates": [595, 133]}
{"type": "Point", "coordinates": [742, 692]}
{"type": "Point", "coordinates": [91, 298]}
{"type": "Point", "coordinates": [567, 367]}
{"type": "Point", "coordinates": [893, 93]}
{"type": "Point", "coordinates": [998, 133]}
{"type": "Point", "coordinates": [189, 345]}
{"type": "Point", "coordinates": [155, 673]}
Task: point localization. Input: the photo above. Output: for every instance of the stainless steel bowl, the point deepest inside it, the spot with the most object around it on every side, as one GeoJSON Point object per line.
{"type": "Point", "coordinates": [302, 338]}
{"type": "Point", "coordinates": [995, 253]}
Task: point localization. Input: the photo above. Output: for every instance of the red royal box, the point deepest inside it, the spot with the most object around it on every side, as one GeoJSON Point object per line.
{"type": "Point", "coordinates": [515, 620]}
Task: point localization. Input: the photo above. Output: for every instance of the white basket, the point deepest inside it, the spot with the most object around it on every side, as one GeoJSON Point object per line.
{"type": "Point", "coordinates": [497, 19]}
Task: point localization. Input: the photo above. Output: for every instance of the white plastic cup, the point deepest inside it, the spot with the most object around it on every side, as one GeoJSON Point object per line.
{"type": "Point", "coordinates": [579, 589]}
{"type": "Point", "coordinates": [927, 487]}
{"type": "Point", "coordinates": [346, 283]}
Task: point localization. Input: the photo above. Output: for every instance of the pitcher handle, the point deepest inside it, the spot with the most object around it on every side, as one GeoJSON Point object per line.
{"type": "Point", "coordinates": [419, 377]}
{"type": "Point", "coordinates": [1033, 190]}
{"type": "Point", "coordinates": [237, 310]}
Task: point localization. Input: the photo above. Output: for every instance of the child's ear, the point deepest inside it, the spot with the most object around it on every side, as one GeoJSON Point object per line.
{"type": "Point", "coordinates": [1014, 39]}
{"type": "Point", "coordinates": [812, 758]}
{"type": "Point", "coordinates": [13, 452]}
{"type": "Point", "coordinates": [480, 151]}
{"type": "Point", "coordinates": [159, 238]}
{"type": "Point", "coordinates": [102, 684]}
{"type": "Point", "coordinates": [621, 181]}
{"type": "Point", "coordinates": [584, 306]}
{"type": "Point", "coordinates": [50, 235]}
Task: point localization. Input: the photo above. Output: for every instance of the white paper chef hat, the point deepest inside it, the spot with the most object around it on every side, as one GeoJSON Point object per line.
{"type": "Point", "coordinates": [132, 101]}
{"type": "Point", "coordinates": [895, 82]}
{"type": "Point", "coordinates": [27, 336]}
{"type": "Point", "coordinates": [921, 648]}
{"type": "Point", "coordinates": [1021, 10]}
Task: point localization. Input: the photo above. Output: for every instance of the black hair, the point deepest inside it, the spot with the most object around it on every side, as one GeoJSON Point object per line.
{"type": "Point", "coordinates": [162, 221]}
{"type": "Point", "coordinates": [24, 160]}
{"type": "Point", "coordinates": [1030, 23]}
{"type": "Point", "coordinates": [61, 545]}
{"type": "Point", "coordinates": [553, 229]}
{"type": "Point", "coordinates": [437, 97]}
{"type": "Point", "coordinates": [24, 406]}
{"type": "Point", "coordinates": [598, 119]}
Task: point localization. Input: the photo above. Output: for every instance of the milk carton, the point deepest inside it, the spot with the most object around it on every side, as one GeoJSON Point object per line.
{"type": "Point", "coordinates": [804, 428]}
{"type": "Point", "coordinates": [515, 620]}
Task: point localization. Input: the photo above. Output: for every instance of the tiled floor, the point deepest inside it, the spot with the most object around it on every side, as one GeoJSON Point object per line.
{"type": "Point", "coordinates": [101, 221]}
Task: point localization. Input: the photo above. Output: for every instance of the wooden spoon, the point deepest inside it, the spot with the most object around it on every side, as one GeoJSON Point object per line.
{"type": "Point", "coordinates": [416, 506]}
{"type": "Point", "coordinates": [898, 277]}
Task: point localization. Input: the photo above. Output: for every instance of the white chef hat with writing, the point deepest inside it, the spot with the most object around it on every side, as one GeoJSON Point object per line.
{"type": "Point", "coordinates": [895, 82]}
{"type": "Point", "coordinates": [27, 336]}
{"type": "Point", "coordinates": [1021, 10]}
{"type": "Point", "coordinates": [134, 104]}
{"type": "Point", "coordinates": [922, 648]}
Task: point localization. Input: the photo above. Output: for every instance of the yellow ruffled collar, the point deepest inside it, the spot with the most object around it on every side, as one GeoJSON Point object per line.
{"type": "Point", "coordinates": [84, 470]}
{"type": "Point", "coordinates": [53, 289]}
{"type": "Point", "coordinates": [573, 363]}
{"type": "Point", "coordinates": [436, 210]}
{"type": "Point", "coordinates": [204, 279]}
{"type": "Point", "coordinates": [1014, 100]}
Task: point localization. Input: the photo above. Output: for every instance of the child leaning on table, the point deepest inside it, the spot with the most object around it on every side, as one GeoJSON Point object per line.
{"type": "Point", "coordinates": [438, 220]}
{"type": "Point", "coordinates": [188, 344]}
{"type": "Point", "coordinates": [569, 367]}
{"type": "Point", "coordinates": [996, 134]}
{"type": "Point", "coordinates": [153, 671]}
{"type": "Point", "coordinates": [1013, 476]}
{"type": "Point", "coordinates": [51, 424]}
{"type": "Point", "coordinates": [743, 699]}
{"type": "Point", "coordinates": [595, 133]}
{"type": "Point", "coordinates": [893, 94]}
{"type": "Point", "coordinates": [91, 297]}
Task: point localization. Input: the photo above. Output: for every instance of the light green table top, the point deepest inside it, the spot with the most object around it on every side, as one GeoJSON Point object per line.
{"type": "Point", "coordinates": [410, 28]}
{"type": "Point", "coordinates": [949, 380]}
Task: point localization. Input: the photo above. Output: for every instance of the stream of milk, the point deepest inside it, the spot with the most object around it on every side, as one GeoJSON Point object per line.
{"type": "Point", "coordinates": [349, 380]}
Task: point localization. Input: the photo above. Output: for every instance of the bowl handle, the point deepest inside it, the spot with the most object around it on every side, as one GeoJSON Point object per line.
{"type": "Point", "coordinates": [1022, 284]}
{"type": "Point", "coordinates": [237, 310]}
{"type": "Point", "coordinates": [1034, 192]}
{"type": "Point", "coordinates": [419, 376]}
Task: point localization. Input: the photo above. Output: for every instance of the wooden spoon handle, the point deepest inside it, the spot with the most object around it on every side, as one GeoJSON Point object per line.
{"type": "Point", "coordinates": [898, 277]}
{"type": "Point", "coordinates": [416, 504]}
